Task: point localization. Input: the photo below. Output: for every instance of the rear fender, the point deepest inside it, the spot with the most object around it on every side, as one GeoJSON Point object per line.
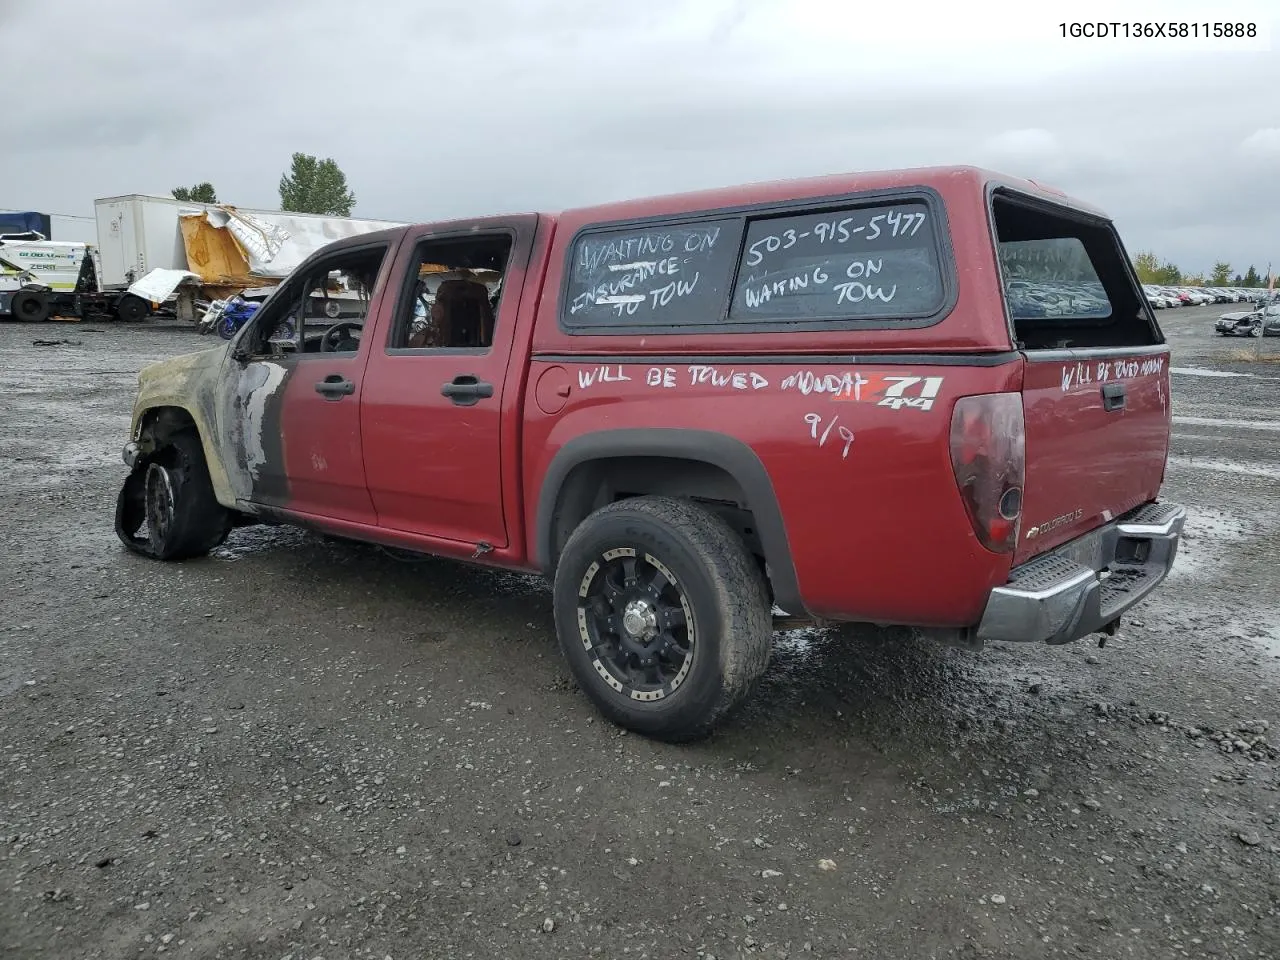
{"type": "Point", "coordinates": [731, 455]}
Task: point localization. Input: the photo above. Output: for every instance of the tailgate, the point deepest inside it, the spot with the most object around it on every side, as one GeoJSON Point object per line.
{"type": "Point", "coordinates": [1097, 433]}
{"type": "Point", "coordinates": [1096, 375]}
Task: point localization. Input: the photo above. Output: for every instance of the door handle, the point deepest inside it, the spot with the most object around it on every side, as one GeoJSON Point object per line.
{"type": "Point", "coordinates": [1112, 396]}
{"type": "Point", "coordinates": [465, 389]}
{"type": "Point", "coordinates": [335, 386]}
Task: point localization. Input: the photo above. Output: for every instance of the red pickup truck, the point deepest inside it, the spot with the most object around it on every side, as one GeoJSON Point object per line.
{"type": "Point", "coordinates": [933, 397]}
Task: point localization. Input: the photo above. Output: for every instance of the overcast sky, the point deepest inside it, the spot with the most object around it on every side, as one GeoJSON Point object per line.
{"type": "Point", "coordinates": [441, 109]}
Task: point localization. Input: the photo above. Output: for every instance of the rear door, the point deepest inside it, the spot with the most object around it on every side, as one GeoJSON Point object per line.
{"type": "Point", "coordinates": [432, 411]}
{"type": "Point", "coordinates": [1096, 380]}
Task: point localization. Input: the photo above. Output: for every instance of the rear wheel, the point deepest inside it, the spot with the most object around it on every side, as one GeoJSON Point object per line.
{"type": "Point", "coordinates": [132, 309]}
{"type": "Point", "coordinates": [30, 306]}
{"type": "Point", "coordinates": [170, 496]}
{"type": "Point", "coordinates": [663, 616]}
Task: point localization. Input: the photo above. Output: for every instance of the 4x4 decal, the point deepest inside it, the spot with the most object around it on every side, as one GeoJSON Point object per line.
{"type": "Point", "coordinates": [892, 390]}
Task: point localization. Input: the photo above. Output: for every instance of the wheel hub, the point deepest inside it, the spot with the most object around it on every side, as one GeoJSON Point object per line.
{"type": "Point", "coordinates": [159, 498]}
{"type": "Point", "coordinates": [636, 624]}
{"type": "Point", "coordinates": [640, 620]}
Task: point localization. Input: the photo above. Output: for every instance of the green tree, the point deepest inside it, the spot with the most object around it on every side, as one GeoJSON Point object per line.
{"type": "Point", "coordinates": [1221, 276]}
{"type": "Point", "coordinates": [1194, 280]}
{"type": "Point", "coordinates": [1169, 274]}
{"type": "Point", "coordinates": [1251, 278]}
{"type": "Point", "coordinates": [200, 193]}
{"type": "Point", "coordinates": [1147, 266]}
{"type": "Point", "coordinates": [315, 186]}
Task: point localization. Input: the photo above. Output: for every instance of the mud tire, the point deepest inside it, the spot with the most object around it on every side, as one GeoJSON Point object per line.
{"type": "Point", "coordinates": [170, 495]}
{"type": "Point", "coordinates": [732, 637]}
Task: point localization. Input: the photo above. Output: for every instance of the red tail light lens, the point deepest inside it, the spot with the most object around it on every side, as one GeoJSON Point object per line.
{"type": "Point", "coordinates": [988, 457]}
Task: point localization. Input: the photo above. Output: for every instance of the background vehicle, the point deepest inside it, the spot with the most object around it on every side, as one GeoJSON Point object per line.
{"type": "Point", "coordinates": [157, 250]}
{"type": "Point", "coordinates": [1265, 321]}
{"type": "Point", "coordinates": [226, 317]}
{"type": "Point", "coordinates": [40, 278]}
{"type": "Point", "coordinates": [841, 399]}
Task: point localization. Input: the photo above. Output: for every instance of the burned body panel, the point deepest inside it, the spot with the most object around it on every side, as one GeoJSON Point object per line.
{"type": "Point", "coordinates": [173, 452]}
{"type": "Point", "coordinates": [187, 383]}
{"type": "Point", "coordinates": [232, 414]}
{"type": "Point", "coordinates": [248, 416]}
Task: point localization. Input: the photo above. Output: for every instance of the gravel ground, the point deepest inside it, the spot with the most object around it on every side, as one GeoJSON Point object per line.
{"type": "Point", "coordinates": [301, 748]}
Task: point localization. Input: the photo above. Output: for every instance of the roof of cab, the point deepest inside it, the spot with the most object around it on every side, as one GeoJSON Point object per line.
{"type": "Point", "coordinates": [770, 191]}
{"type": "Point", "coordinates": [765, 191]}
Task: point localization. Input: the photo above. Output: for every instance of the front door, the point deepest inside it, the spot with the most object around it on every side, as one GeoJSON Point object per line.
{"type": "Point", "coordinates": [289, 401]}
{"type": "Point", "coordinates": [432, 409]}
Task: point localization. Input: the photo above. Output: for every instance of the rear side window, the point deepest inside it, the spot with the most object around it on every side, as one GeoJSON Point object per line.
{"type": "Point", "coordinates": [879, 262]}
{"type": "Point", "coordinates": [1066, 279]}
{"type": "Point", "coordinates": [875, 262]}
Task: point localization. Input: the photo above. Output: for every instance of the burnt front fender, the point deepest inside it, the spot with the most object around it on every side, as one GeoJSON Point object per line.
{"type": "Point", "coordinates": [178, 393]}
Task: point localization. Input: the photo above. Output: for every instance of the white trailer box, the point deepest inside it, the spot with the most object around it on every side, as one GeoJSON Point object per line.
{"type": "Point", "coordinates": [139, 233]}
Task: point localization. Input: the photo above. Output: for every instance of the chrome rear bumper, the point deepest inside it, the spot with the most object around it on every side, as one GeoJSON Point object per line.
{"type": "Point", "coordinates": [1087, 584]}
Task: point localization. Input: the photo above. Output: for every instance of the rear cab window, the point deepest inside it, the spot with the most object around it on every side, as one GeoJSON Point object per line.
{"type": "Point", "coordinates": [864, 263]}
{"type": "Point", "coordinates": [1067, 282]}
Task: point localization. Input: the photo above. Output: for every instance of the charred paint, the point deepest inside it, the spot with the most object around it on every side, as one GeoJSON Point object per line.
{"type": "Point", "coordinates": [189, 383]}
{"type": "Point", "coordinates": [235, 407]}
{"type": "Point", "coordinates": [250, 406]}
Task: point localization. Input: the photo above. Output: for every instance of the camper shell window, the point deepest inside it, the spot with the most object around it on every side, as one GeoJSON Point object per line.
{"type": "Point", "coordinates": [1067, 281]}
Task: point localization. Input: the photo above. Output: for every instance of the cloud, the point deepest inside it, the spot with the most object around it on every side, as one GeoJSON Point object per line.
{"type": "Point", "coordinates": [1262, 144]}
{"type": "Point", "coordinates": [439, 110]}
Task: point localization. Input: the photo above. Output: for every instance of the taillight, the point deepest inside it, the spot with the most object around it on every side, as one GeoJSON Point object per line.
{"type": "Point", "coordinates": [988, 457]}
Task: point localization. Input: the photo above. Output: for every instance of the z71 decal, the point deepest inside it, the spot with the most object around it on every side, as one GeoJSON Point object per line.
{"type": "Point", "coordinates": [915, 392]}
{"type": "Point", "coordinates": [893, 390]}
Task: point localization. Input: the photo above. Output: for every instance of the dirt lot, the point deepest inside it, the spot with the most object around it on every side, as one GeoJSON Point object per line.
{"type": "Point", "coordinates": [305, 748]}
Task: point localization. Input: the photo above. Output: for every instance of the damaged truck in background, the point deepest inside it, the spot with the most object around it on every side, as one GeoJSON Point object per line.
{"type": "Point", "coordinates": [158, 254]}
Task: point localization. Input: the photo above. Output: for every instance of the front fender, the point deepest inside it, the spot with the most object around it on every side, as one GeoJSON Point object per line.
{"type": "Point", "coordinates": [178, 389]}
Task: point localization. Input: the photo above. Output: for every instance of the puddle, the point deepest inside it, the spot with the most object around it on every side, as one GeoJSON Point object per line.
{"type": "Point", "coordinates": [1237, 424]}
{"type": "Point", "coordinates": [1203, 372]}
{"type": "Point", "coordinates": [10, 684]}
{"type": "Point", "coordinates": [1247, 468]}
{"type": "Point", "coordinates": [1205, 539]}
{"type": "Point", "coordinates": [1267, 637]}
{"type": "Point", "coordinates": [798, 642]}
{"type": "Point", "coordinates": [247, 541]}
